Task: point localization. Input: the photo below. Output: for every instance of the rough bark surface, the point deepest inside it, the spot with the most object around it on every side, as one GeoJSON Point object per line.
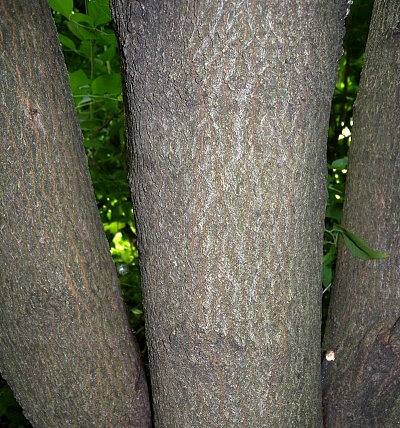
{"type": "Point", "coordinates": [227, 112]}
{"type": "Point", "coordinates": [362, 386]}
{"type": "Point", "coordinates": [66, 348]}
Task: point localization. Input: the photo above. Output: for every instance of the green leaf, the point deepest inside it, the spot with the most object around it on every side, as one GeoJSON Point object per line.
{"type": "Point", "coordinates": [86, 48]}
{"type": "Point", "coordinates": [107, 84]}
{"type": "Point", "coordinates": [357, 246]}
{"type": "Point", "coordinates": [90, 125]}
{"type": "Point", "coordinates": [114, 226]}
{"type": "Point", "coordinates": [107, 37]}
{"type": "Point", "coordinates": [99, 10]}
{"type": "Point", "coordinates": [81, 101]}
{"type": "Point", "coordinates": [340, 163]}
{"type": "Point", "coordinates": [354, 249]}
{"type": "Point", "coordinates": [108, 54]}
{"type": "Point", "coordinates": [67, 42]}
{"type": "Point", "coordinates": [62, 6]}
{"type": "Point", "coordinates": [334, 212]}
{"type": "Point", "coordinates": [81, 26]}
{"type": "Point", "coordinates": [330, 256]}
{"type": "Point", "coordinates": [81, 17]}
{"type": "Point", "coordinates": [327, 276]}
{"type": "Point", "coordinates": [80, 83]}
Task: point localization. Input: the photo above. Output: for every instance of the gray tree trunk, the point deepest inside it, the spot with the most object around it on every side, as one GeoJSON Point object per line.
{"type": "Point", "coordinates": [227, 113]}
{"type": "Point", "coordinates": [362, 385]}
{"type": "Point", "coordinates": [66, 348]}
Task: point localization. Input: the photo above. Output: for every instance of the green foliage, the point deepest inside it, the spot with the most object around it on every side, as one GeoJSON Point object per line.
{"type": "Point", "coordinates": [340, 127]}
{"type": "Point", "coordinates": [333, 216]}
{"type": "Point", "coordinates": [357, 25]}
{"type": "Point", "coordinates": [91, 54]}
{"type": "Point", "coordinates": [339, 133]}
{"type": "Point", "coordinates": [92, 58]}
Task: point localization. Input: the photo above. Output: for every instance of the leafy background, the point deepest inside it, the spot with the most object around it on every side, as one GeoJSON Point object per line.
{"type": "Point", "coordinates": [91, 54]}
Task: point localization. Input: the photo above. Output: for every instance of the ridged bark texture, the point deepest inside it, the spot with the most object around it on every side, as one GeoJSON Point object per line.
{"type": "Point", "coordinates": [227, 112]}
{"type": "Point", "coordinates": [362, 385]}
{"type": "Point", "coordinates": [66, 348]}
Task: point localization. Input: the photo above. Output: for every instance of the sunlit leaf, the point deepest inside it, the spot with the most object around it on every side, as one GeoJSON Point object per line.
{"type": "Point", "coordinates": [114, 227]}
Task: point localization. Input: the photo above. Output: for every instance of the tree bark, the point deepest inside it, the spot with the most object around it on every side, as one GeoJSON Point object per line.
{"type": "Point", "coordinates": [362, 385]}
{"type": "Point", "coordinates": [66, 348]}
{"type": "Point", "coordinates": [227, 112]}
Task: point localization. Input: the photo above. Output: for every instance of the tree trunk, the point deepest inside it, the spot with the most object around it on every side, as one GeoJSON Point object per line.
{"type": "Point", "coordinates": [66, 348]}
{"type": "Point", "coordinates": [362, 384]}
{"type": "Point", "coordinates": [227, 112]}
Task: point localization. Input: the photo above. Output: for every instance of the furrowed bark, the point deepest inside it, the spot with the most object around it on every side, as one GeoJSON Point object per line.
{"type": "Point", "coordinates": [362, 387]}
{"type": "Point", "coordinates": [66, 348]}
{"type": "Point", "coordinates": [227, 113]}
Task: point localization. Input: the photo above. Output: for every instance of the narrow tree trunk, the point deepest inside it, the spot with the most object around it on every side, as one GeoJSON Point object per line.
{"type": "Point", "coordinates": [65, 344]}
{"type": "Point", "coordinates": [228, 106]}
{"type": "Point", "coordinates": [362, 384]}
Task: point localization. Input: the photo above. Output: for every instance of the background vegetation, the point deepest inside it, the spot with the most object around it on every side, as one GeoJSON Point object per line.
{"type": "Point", "coordinates": [91, 55]}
